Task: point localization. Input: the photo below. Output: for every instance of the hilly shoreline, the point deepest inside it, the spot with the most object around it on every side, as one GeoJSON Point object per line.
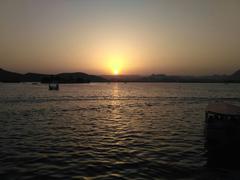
{"type": "Point", "coordinates": [79, 77]}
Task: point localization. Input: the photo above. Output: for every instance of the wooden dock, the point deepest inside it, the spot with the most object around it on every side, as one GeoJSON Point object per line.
{"type": "Point", "coordinates": [222, 134]}
{"type": "Point", "coordinates": [223, 109]}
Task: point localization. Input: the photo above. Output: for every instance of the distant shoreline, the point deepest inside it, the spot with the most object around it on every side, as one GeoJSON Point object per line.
{"type": "Point", "coordinates": [79, 77]}
{"type": "Point", "coordinates": [124, 82]}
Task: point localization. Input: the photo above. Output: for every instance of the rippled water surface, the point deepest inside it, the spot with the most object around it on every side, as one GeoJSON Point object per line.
{"type": "Point", "coordinates": [106, 131]}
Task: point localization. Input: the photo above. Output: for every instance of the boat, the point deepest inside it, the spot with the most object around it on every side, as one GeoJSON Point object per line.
{"type": "Point", "coordinates": [53, 86]}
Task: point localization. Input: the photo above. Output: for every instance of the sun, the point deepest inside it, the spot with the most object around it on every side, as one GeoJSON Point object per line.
{"type": "Point", "coordinates": [115, 64]}
{"type": "Point", "coordinates": [116, 72]}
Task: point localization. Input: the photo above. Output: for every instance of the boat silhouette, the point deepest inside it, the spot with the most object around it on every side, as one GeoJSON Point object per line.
{"type": "Point", "coordinates": [53, 86]}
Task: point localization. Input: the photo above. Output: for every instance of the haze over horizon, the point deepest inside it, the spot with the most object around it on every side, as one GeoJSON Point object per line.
{"type": "Point", "coordinates": [187, 37]}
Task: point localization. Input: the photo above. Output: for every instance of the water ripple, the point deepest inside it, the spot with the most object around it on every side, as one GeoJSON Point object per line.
{"type": "Point", "coordinates": [107, 131]}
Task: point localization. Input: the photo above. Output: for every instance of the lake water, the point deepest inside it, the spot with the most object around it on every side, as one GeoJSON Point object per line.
{"type": "Point", "coordinates": [107, 131]}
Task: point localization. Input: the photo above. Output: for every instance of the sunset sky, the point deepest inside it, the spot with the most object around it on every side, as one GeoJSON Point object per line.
{"type": "Point", "coordinates": [120, 36]}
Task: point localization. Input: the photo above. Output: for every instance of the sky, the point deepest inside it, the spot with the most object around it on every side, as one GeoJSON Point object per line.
{"type": "Point", "coordinates": [184, 37]}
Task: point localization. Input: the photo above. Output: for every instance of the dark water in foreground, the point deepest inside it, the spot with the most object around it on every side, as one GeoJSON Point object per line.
{"type": "Point", "coordinates": [107, 131]}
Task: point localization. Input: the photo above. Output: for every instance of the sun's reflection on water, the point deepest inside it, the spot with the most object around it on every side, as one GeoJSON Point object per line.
{"type": "Point", "coordinates": [115, 91]}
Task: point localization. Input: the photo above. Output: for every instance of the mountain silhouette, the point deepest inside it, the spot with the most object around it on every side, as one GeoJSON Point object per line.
{"type": "Point", "coordinates": [7, 76]}
{"type": "Point", "coordinates": [236, 74]}
{"type": "Point", "coordinates": [78, 77]}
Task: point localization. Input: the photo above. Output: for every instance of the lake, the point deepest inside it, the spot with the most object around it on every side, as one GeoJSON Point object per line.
{"type": "Point", "coordinates": [107, 130]}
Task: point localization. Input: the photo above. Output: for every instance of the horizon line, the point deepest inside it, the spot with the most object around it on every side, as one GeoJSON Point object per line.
{"type": "Point", "coordinates": [119, 75]}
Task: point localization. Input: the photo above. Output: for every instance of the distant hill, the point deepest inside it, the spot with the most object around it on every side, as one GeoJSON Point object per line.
{"type": "Point", "coordinates": [168, 78]}
{"type": "Point", "coordinates": [186, 79]}
{"type": "Point", "coordinates": [7, 76]}
{"type": "Point", "coordinates": [235, 77]}
{"type": "Point", "coordinates": [78, 77]}
{"type": "Point", "coordinates": [83, 76]}
{"type": "Point", "coordinates": [34, 77]}
{"type": "Point", "coordinates": [176, 78]}
{"type": "Point", "coordinates": [236, 73]}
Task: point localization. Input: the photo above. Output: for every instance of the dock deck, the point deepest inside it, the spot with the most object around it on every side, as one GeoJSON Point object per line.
{"type": "Point", "coordinates": [223, 109]}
